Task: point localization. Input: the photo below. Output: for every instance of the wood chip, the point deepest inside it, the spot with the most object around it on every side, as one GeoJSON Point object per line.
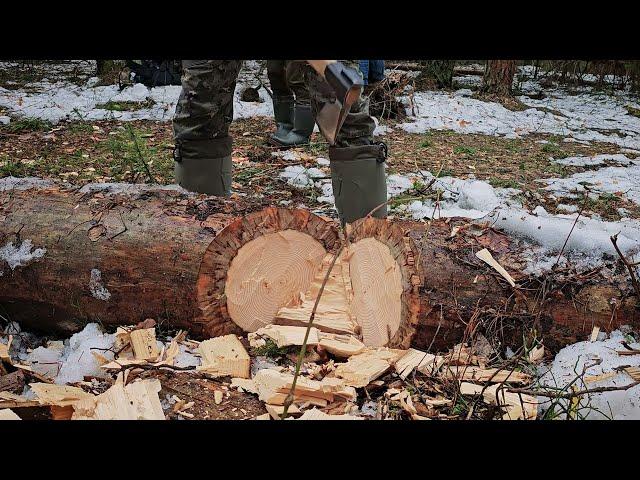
{"type": "Point", "coordinates": [599, 378]}
{"type": "Point", "coordinates": [517, 406]}
{"type": "Point", "coordinates": [273, 388]}
{"type": "Point", "coordinates": [286, 335]}
{"type": "Point", "coordinates": [217, 396]}
{"type": "Point", "coordinates": [58, 395]}
{"type": "Point", "coordinates": [362, 369]}
{"type": "Point", "coordinates": [315, 414]}
{"type": "Point", "coordinates": [416, 359]}
{"type": "Point", "coordinates": [224, 356]}
{"type": "Point", "coordinates": [7, 414]}
{"type": "Point", "coordinates": [342, 346]}
{"type": "Point", "coordinates": [264, 416]}
{"type": "Point", "coordinates": [633, 372]}
{"type": "Point", "coordinates": [277, 410]}
{"type": "Point", "coordinates": [245, 384]}
{"type": "Point", "coordinates": [486, 257]}
{"type": "Point", "coordinates": [136, 401]}
{"type": "Point", "coordinates": [479, 374]}
{"type": "Point", "coordinates": [594, 334]}
{"type": "Point", "coordinates": [4, 350]}
{"type": "Point", "coordinates": [536, 354]}
{"type": "Point", "coordinates": [144, 344]}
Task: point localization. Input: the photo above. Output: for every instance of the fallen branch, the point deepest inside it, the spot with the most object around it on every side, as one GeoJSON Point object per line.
{"type": "Point", "coordinates": [632, 273]}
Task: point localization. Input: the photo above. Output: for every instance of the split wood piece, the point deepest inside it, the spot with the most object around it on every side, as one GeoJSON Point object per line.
{"type": "Point", "coordinates": [122, 340]}
{"type": "Point", "coordinates": [244, 384]}
{"type": "Point", "coordinates": [333, 313]}
{"type": "Point", "coordinates": [462, 354]}
{"type": "Point", "coordinates": [360, 370]}
{"type": "Point", "coordinates": [264, 416]}
{"type": "Point", "coordinates": [258, 264]}
{"type": "Point", "coordinates": [413, 359]}
{"type": "Point", "coordinates": [594, 334]}
{"type": "Point", "coordinates": [479, 374]}
{"type": "Point", "coordinates": [536, 354]}
{"type": "Point", "coordinates": [223, 356]}
{"type": "Point", "coordinates": [136, 401]}
{"type": "Point", "coordinates": [487, 258]}
{"type": "Point", "coordinates": [4, 351]}
{"type": "Point", "coordinates": [273, 388]}
{"type": "Point", "coordinates": [276, 411]}
{"type": "Point", "coordinates": [143, 342]}
{"type": "Point", "coordinates": [517, 406]}
{"type": "Point", "coordinates": [633, 372]}
{"type": "Point", "coordinates": [58, 395]}
{"type": "Point", "coordinates": [12, 382]}
{"type": "Point", "coordinates": [285, 335]}
{"type": "Point", "coordinates": [399, 261]}
{"type": "Point", "coordinates": [342, 346]}
{"type": "Point", "coordinates": [599, 378]}
{"type": "Point", "coordinates": [174, 347]}
{"type": "Point", "coordinates": [8, 414]}
{"type": "Point", "coordinates": [315, 414]}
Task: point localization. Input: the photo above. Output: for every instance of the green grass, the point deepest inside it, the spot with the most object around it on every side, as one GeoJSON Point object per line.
{"type": "Point", "coordinates": [633, 111]}
{"type": "Point", "coordinates": [28, 124]}
{"type": "Point", "coordinates": [9, 167]}
{"type": "Point", "coordinates": [270, 349]}
{"type": "Point", "coordinates": [464, 150]}
{"type": "Point", "coordinates": [504, 183]}
{"type": "Point", "coordinates": [126, 106]}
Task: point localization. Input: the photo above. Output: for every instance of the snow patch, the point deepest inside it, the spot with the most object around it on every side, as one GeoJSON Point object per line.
{"type": "Point", "coordinates": [594, 161]}
{"type": "Point", "coordinates": [23, 183]}
{"type": "Point", "coordinates": [569, 363]}
{"type": "Point", "coordinates": [97, 289]}
{"type": "Point", "coordinates": [77, 360]}
{"type": "Point", "coordinates": [301, 177]}
{"type": "Point", "coordinates": [20, 256]}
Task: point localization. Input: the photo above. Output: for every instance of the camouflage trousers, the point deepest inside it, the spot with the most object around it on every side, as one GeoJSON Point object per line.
{"type": "Point", "coordinates": [205, 107]}
{"type": "Point", "coordinates": [287, 78]}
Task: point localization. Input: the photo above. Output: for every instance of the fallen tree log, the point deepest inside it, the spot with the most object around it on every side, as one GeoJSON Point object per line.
{"type": "Point", "coordinates": [120, 254]}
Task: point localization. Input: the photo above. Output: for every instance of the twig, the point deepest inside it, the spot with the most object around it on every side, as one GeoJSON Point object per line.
{"type": "Point", "coordinates": [632, 273]}
{"type": "Point", "coordinates": [578, 393]}
{"type": "Point", "coordinates": [571, 231]}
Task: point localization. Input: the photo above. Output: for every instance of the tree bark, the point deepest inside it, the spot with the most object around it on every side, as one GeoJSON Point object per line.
{"type": "Point", "coordinates": [164, 254]}
{"type": "Point", "coordinates": [498, 77]}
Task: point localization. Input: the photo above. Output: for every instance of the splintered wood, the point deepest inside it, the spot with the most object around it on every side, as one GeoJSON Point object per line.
{"type": "Point", "coordinates": [224, 356]}
{"type": "Point", "coordinates": [333, 313]}
{"type": "Point", "coordinates": [479, 374]}
{"type": "Point", "coordinates": [284, 335]}
{"type": "Point", "coordinates": [143, 342]}
{"type": "Point", "coordinates": [315, 414]}
{"type": "Point", "coordinates": [487, 258]}
{"type": "Point", "coordinates": [268, 273]}
{"type": "Point", "coordinates": [273, 387]}
{"type": "Point", "coordinates": [417, 360]}
{"type": "Point", "coordinates": [517, 406]}
{"type": "Point", "coordinates": [135, 401]}
{"type": "Point", "coordinates": [7, 414]}
{"type": "Point", "coordinates": [360, 370]}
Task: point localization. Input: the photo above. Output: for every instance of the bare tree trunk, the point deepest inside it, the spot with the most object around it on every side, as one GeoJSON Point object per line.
{"type": "Point", "coordinates": [498, 77]}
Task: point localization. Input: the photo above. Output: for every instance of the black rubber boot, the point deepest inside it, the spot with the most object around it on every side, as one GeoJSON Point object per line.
{"type": "Point", "coordinates": [303, 123]}
{"type": "Point", "coordinates": [204, 166]}
{"type": "Point", "coordinates": [358, 180]}
{"type": "Point", "coordinates": [283, 113]}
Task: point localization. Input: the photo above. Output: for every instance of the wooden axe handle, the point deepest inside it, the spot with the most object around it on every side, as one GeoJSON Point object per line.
{"type": "Point", "coordinates": [320, 65]}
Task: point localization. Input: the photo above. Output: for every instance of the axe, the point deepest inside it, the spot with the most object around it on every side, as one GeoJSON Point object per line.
{"type": "Point", "coordinates": [347, 85]}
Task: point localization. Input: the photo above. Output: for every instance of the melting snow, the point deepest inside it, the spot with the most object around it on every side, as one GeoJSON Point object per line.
{"type": "Point", "coordinates": [570, 361]}
{"type": "Point", "coordinates": [21, 255]}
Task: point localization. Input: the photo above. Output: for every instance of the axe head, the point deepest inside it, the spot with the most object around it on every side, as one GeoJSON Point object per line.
{"type": "Point", "coordinates": [347, 85]}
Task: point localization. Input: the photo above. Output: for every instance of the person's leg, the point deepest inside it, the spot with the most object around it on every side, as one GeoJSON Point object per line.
{"type": "Point", "coordinates": [357, 164]}
{"type": "Point", "coordinates": [364, 69]}
{"type": "Point", "coordinates": [303, 119]}
{"type": "Point", "coordinates": [282, 98]}
{"type": "Point", "coordinates": [201, 125]}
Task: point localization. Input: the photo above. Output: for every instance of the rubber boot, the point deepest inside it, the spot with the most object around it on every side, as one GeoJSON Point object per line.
{"type": "Point", "coordinates": [303, 123]}
{"type": "Point", "coordinates": [204, 166]}
{"type": "Point", "coordinates": [283, 113]}
{"type": "Point", "coordinates": [358, 180]}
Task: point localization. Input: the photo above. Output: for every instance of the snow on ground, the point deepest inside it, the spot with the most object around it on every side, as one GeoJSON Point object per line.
{"type": "Point", "coordinates": [569, 363]}
{"type": "Point", "coordinates": [594, 161]}
{"type": "Point", "coordinates": [585, 117]}
{"type": "Point", "coordinates": [624, 181]}
{"type": "Point", "coordinates": [58, 100]}
{"type": "Point", "coordinates": [20, 255]}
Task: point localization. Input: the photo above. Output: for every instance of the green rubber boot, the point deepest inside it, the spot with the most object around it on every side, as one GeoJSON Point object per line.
{"type": "Point", "coordinates": [204, 166]}
{"type": "Point", "coordinates": [303, 123]}
{"type": "Point", "coordinates": [358, 180]}
{"type": "Point", "coordinates": [283, 113]}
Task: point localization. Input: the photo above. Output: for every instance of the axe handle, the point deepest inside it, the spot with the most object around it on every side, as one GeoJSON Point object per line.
{"type": "Point", "coordinates": [320, 65]}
